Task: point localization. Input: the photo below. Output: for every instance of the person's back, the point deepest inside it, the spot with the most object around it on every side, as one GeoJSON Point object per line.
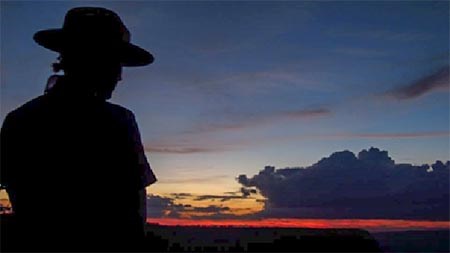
{"type": "Point", "coordinates": [70, 167]}
{"type": "Point", "coordinates": [75, 169]}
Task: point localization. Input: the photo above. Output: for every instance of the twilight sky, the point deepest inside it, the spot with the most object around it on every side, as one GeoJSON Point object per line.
{"type": "Point", "coordinates": [236, 86]}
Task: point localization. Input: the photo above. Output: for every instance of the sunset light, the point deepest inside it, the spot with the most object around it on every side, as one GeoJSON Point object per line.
{"type": "Point", "coordinates": [371, 225]}
{"type": "Point", "coordinates": [218, 114]}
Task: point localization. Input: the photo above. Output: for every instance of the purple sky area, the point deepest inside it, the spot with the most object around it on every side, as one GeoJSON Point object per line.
{"type": "Point", "coordinates": [236, 86]}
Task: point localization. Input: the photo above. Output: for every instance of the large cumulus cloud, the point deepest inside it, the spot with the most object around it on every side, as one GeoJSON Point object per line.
{"type": "Point", "coordinates": [370, 185]}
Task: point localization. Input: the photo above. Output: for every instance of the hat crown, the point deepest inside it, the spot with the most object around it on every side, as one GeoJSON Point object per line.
{"type": "Point", "coordinates": [97, 23]}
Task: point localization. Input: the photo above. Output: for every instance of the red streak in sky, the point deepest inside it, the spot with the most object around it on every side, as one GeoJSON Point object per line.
{"type": "Point", "coordinates": [371, 225]}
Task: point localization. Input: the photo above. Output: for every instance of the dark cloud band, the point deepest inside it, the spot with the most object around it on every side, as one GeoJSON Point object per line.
{"type": "Point", "coordinates": [432, 82]}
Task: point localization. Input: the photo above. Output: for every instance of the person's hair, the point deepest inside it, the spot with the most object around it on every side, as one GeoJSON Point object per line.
{"type": "Point", "coordinates": [59, 65]}
{"type": "Point", "coordinates": [93, 70]}
{"type": "Point", "coordinates": [73, 61]}
{"type": "Point", "coordinates": [69, 62]}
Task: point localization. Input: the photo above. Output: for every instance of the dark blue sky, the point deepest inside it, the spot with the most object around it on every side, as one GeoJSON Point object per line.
{"type": "Point", "coordinates": [239, 85]}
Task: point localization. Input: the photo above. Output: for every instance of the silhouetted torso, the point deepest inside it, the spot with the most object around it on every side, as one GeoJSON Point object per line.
{"type": "Point", "coordinates": [73, 166]}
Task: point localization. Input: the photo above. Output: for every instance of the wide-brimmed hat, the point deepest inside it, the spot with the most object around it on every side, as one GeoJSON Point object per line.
{"type": "Point", "coordinates": [92, 28]}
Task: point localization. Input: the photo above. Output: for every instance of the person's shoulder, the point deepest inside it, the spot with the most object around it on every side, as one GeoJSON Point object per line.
{"type": "Point", "coordinates": [28, 108]}
{"type": "Point", "coordinates": [119, 110]}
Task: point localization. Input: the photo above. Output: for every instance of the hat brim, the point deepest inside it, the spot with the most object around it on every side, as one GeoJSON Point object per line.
{"type": "Point", "coordinates": [130, 54]}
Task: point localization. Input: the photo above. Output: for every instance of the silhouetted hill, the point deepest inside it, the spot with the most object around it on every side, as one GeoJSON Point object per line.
{"type": "Point", "coordinates": [414, 241]}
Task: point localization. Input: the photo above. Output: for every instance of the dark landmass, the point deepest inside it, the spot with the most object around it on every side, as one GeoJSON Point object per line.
{"type": "Point", "coordinates": [250, 239]}
{"type": "Point", "coordinates": [238, 239]}
{"type": "Point", "coordinates": [414, 241]}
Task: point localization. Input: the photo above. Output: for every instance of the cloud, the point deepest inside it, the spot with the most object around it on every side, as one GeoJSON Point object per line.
{"type": "Point", "coordinates": [222, 198]}
{"type": "Point", "coordinates": [244, 194]}
{"type": "Point", "coordinates": [166, 207]}
{"type": "Point", "coordinates": [179, 150]}
{"type": "Point", "coordinates": [158, 206]}
{"type": "Point", "coordinates": [211, 209]}
{"type": "Point", "coordinates": [240, 144]}
{"type": "Point", "coordinates": [300, 114]}
{"type": "Point", "coordinates": [190, 143]}
{"type": "Point", "coordinates": [256, 120]}
{"type": "Point", "coordinates": [181, 195]}
{"type": "Point", "coordinates": [382, 35]}
{"type": "Point", "coordinates": [194, 180]}
{"type": "Point", "coordinates": [370, 185]}
{"type": "Point", "coordinates": [360, 52]}
{"type": "Point", "coordinates": [189, 205]}
{"type": "Point", "coordinates": [393, 135]}
{"type": "Point", "coordinates": [264, 81]}
{"type": "Point", "coordinates": [248, 191]}
{"type": "Point", "coordinates": [436, 81]}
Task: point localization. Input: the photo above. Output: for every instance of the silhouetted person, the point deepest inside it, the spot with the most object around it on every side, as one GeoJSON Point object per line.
{"type": "Point", "coordinates": [72, 163]}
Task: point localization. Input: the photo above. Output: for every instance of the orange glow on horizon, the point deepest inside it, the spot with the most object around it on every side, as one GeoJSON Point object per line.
{"type": "Point", "coordinates": [368, 224]}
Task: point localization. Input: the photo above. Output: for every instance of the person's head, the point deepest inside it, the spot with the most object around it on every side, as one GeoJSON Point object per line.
{"type": "Point", "coordinates": [93, 71]}
{"type": "Point", "coordinates": [94, 45]}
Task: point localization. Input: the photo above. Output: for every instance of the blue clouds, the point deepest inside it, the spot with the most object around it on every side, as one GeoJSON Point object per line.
{"type": "Point", "coordinates": [370, 185]}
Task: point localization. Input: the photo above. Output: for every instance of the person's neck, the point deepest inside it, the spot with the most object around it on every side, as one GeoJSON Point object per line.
{"type": "Point", "coordinates": [74, 86]}
{"type": "Point", "coordinates": [79, 82]}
